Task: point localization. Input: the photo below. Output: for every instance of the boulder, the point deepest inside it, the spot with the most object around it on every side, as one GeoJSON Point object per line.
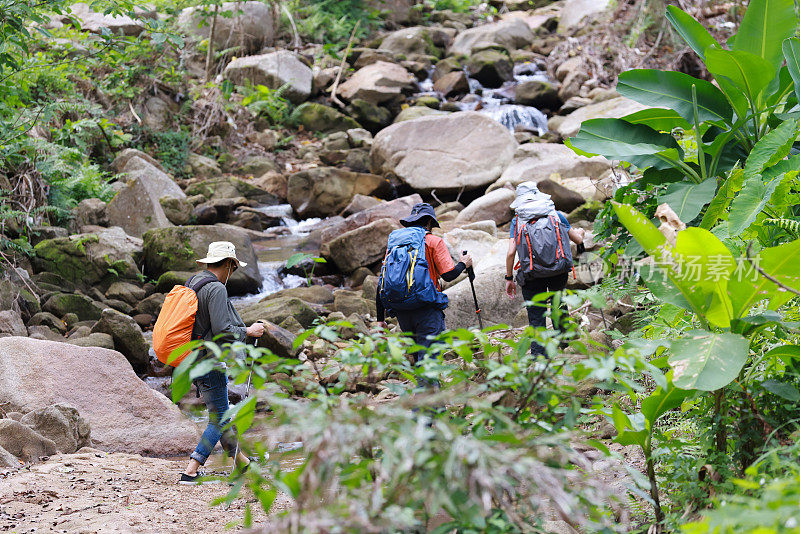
{"type": "Point", "coordinates": [226, 187]}
{"type": "Point", "coordinates": [60, 304]}
{"type": "Point", "coordinates": [363, 246]}
{"type": "Point", "coordinates": [121, 160]}
{"type": "Point", "coordinates": [97, 339]}
{"type": "Point", "coordinates": [507, 34]}
{"type": "Point", "coordinates": [100, 23]}
{"type": "Point", "coordinates": [273, 70]}
{"type": "Point", "coordinates": [62, 424]}
{"type": "Point", "coordinates": [399, 11]}
{"type": "Point", "coordinates": [537, 93]}
{"type": "Point", "coordinates": [124, 414]}
{"type": "Point", "coordinates": [613, 109]}
{"type": "Point", "coordinates": [394, 209]}
{"type": "Point", "coordinates": [565, 199]}
{"type": "Point", "coordinates": [495, 206]}
{"type": "Point", "coordinates": [408, 41]}
{"type": "Point", "coordinates": [11, 323]}
{"type": "Point", "coordinates": [89, 212]}
{"type": "Point", "coordinates": [176, 249]}
{"type": "Point", "coordinates": [177, 210]}
{"type": "Point", "coordinates": [349, 303]}
{"type": "Point", "coordinates": [540, 161]}
{"type": "Point", "coordinates": [127, 336]}
{"type": "Point", "coordinates": [478, 243]}
{"type": "Point", "coordinates": [126, 292]}
{"type": "Point", "coordinates": [279, 340]}
{"type": "Point", "coordinates": [136, 207]}
{"type": "Point", "coordinates": [8, 460]}
{"type": "Point", "coordinates": [452, 84]}
{"type": "Point", "coordinates": [360, 203]}
{"type": "Point", "coordinates": [461, 150]}
{"type": "Point", "coordinates": [201, 166]}
{"type": "Point", "coordinates": [378, 83]}
{"type": "Point", "coordinates": [170, 279]}
{"type": "Point", "coordinates": [152, 304]}
{"type": "Point", "coordinates": [50, 321]}
{"type": "Point", "coordinates": [105, 254]}
{"type": "Point", "coordinates": [490, 67]}
{"type": "Point", "coordinates": [324, 191]}
{"type": "Point", "coordinates": [574, 11]}
{"type": "Point", "coordinates": [496, 307]}
{"type": "Point", "coordinates": [312, 294]}
{"type": "Point", "coordinates": [371, 116]}
{"type": "Point", "coordinates": [359, 138]}
{"type": "Point", "coordinates": [277, 310]}
{"type": "Point", "coordinates": [417, 112]}
{"type": "Point", "coordinates": [250, 25]}
{"type": "Point", "coordinates": [24, 442]}
{"type": "Point", "coordinates": [320, 118]}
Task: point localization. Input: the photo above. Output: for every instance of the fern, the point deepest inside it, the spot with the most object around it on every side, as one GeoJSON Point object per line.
{"type": "Point", "coordinates": [791, 226]}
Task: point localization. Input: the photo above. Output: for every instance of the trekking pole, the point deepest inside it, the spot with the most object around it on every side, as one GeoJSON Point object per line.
{"type": "Point", "coordinates": [246, 392]}
{"type": "Point", "coordinates": [471, 276]}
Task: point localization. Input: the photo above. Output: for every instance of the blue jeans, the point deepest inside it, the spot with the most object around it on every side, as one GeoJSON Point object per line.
{"type": "Point", "coordinates": [213, 387]}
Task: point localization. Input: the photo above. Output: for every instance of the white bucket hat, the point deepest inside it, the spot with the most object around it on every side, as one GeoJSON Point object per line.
{"type": "Point", "coordinates": [221, 250]}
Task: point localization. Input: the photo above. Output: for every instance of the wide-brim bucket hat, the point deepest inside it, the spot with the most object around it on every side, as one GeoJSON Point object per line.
{"type": "Point", "coordinates": [221, 250]}
{"type": "Point", "coordinates": [420, 211]}
{"type": "Point", "coordinates": [527, 192]}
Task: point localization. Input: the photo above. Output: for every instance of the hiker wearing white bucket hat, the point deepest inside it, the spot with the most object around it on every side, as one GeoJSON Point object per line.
{"type": "Point", "coordinates": [217, 320]}
{"type": "Point", "coordinates": [531, 206]}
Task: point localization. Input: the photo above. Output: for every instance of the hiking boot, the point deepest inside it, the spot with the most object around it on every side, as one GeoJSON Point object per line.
{"type": "Point", "coordinates": [199, 478]}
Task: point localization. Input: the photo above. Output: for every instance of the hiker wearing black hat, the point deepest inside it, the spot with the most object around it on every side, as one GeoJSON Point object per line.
{"type": "Point", "coordinates": [409, 280]}
{"type": "Point", "coordinates": [540, 237]}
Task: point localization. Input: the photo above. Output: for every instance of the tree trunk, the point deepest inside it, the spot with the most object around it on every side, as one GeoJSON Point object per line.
{"type": "Point", "coordinates": [210, 52]}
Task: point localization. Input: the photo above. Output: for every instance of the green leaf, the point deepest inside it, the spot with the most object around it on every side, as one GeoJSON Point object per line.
{"type": "Point", "coordinates": [296, 259]}
{"type": "Point", "coordinates": [706, 360]}
{"type": "Point", "coordinates": [673, 90]}
{"type": "Point", "coordinates": [687, 199]}
{"type": "Point", "coordinates": [748, 72]}
{"type": "Point", "coordinates": [719, 205]}
{"type": "Point", "coordinates": [640, 227]}
{"type": "Point", "coordinates": [772, 148]}
{"type": "Point", "coordinates": [663, 120]}
{"type": "Point", "coordinates": [242, 414]}
{"type": "Point", "coordinates": [755, 194]}
{"type": "Point", "coordinates": [181, 382]}
{"type": "Point", "coordinates": [661, 401]}
{"type": "Point", "coordinates": [630, 430]}
{"type": "Point", "coordinates": [694, 33]}
{"type": "Point", "coordinates": [619, 139]}
{"type": "Point", "coordinates": [791, 51]}
{"type": "Point", "coordinates": [765, 25]}
{"type": "Point", "coordinates": [782, 389]}
{"type": "Point", "coordinates": [786, 353]}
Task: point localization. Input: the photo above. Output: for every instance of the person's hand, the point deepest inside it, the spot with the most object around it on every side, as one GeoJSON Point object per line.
{"type": "Point", "coordinates": [467, 259]}
{"type": "Point", "coordinates": [511, 289]}
{"type": "Point", "coordinates": [255, 330]}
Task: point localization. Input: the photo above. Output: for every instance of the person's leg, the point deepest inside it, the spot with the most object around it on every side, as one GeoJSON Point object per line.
{"type": "Point", "coordinates": [214, 391]}
{"type": "Point", "coordinates": [536, 318]}
{"type": "Point", "coordinates": [558, 313]}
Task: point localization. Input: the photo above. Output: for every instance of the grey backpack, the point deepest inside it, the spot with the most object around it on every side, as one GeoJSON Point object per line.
{"type": "Point", "coordinates": [543, 248]}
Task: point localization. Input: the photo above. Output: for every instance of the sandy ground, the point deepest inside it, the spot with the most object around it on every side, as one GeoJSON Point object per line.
{"type": "Point", "coordinates": [93, 491]}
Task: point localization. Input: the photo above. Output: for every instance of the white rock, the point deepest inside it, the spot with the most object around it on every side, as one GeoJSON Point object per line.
{"type": "Point", "coordinates": [274, 70]}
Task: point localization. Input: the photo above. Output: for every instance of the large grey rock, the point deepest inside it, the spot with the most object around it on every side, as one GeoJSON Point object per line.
{"type": "Point", "coordinates": [136, 207]}
{"type": "Point", "coordinates": [508, 34]}
{"type": "Point", "coordinates": [363, 246]}
{"type": "Point", "coordinates": [496, 306]}
{"type": "Point", "coordinates": [62, 424]}
{"type": "Point", "coordinates": [395, 209]}
{"type": "Point", "coordinates": [540, 161]}
{"type": "Point", "coordinates": [11, 323]}
{"type": "Point", "coordinates": [127, 336]}
{"type": "Point", "coordinates": [90, 211]}
{"type": "Point", "coordinates": [417, 112]}
{"type": "Point", "coordinates": [478, 243]}
{"type": "Point", "coordinates": [490, 67]}
{"type": "Point", "coordinates": [574, 11]}
{"type": "Point", "coordinates": [462, 150]}
{"type": "Point", "coordinates": [274, 70]}
{"type": "Point", "coordinates": [317, 117]}
{"type": "Point", "coordinates": [250, 25]}
{"type": "Point", "coordinates": [95, 22]}
{"type": "Point", "coordinates": [495, 206]}
{"type": "Point", "coordinates": [177, 248]}
{"type": "Point", "coordinates": [124, 414]}
{"type": "Point", "coordinates": [407, 41]}
{"type": "Point", "coordinates": [377, 83]}
{"type": "Point", "coordinates": [324, 191]}
{"type": "Point", "coordinates": [96, 339]}
{"type": "Point", "coordinates": [24, 442]}
{"type": "Point", "coordinates": [277, 310]}
{"type": "Point", "coordinates": [612, 109]}
{"type": "Point", "coordinates": [60, 304]}
{"type": "Point", "coordinates": [87, 258]}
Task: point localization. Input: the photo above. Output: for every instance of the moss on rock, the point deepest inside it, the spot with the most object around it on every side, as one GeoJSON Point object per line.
{"type": "Point", "coordinates": [320, 118]}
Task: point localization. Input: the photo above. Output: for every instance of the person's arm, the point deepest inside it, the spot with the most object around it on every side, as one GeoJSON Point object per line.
{"type": "Point", "coordinates": [576, 235]}
{"type": "Point", "coordinates": [511, 288]}
{"type": "Point", "coordinates": [456, 271]}
{"type": "Point", "coordinates": [221, 320]}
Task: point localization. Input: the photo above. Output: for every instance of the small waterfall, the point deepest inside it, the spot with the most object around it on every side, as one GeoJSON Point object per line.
{"type": "Point", "coordinates": [516, 117]}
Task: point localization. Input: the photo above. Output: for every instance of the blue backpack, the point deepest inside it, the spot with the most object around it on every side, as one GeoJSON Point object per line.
{"type": "Point", "coordinates": [405, 282]}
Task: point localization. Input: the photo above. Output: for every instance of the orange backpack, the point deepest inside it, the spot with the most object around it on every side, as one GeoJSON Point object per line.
{"type": "Point", "coordinates": [174, 326]}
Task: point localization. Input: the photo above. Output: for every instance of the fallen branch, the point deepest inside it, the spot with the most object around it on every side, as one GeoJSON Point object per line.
{"type": "Point", "coordinates": [334, 98]}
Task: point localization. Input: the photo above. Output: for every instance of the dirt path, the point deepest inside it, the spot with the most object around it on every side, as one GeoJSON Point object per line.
{"type": "Point", "coordinates": [93, 491]}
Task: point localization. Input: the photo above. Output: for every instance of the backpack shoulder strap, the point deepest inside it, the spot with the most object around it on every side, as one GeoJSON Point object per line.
{"type": "Point", "coordinates": [199, 284]}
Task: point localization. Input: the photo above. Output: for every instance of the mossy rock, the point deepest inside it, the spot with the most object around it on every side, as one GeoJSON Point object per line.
{"type": "Point", "coordinates": [313, 294]}
{"type": "Point", "coordinates": [170, 279]}
{"type": "Point", "coordinates": [428, 101]}
{"type": "Point", "coordinates": [61, 304]}
{"type": "Point", "coordinates": [66, 257]}
{"type": "Point", "coordinates": [228, 187]}
{"type": "Point", "coordinates": [319, 118]}
{"type": "Point", "coordinates": [586, 212]}
{"type": "Point", "coordinates": [371, 116]}
{"type": "Point", "coordinates": [490, 67]}
{"type": "Point", "coordinates": [278, 310]}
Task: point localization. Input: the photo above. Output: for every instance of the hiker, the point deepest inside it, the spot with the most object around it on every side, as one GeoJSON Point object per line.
{"type": "Point", "coordinates": [409, 280]}
{"type": "Point", "coordinates": [215, 317]}
{"type": "Point", "coordinates": [539, 226]}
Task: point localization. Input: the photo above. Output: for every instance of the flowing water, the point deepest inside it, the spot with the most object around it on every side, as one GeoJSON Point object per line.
{"type": "Point", "coordinates": [498, 103]}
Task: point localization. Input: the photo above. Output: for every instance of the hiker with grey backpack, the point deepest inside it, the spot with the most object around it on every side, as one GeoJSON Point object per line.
{"type": "Point", "coordinates": [540, 237]}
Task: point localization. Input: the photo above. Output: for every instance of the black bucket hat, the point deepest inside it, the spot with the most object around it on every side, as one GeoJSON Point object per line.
{"type": "Point", "coordinates": [420, 211]}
